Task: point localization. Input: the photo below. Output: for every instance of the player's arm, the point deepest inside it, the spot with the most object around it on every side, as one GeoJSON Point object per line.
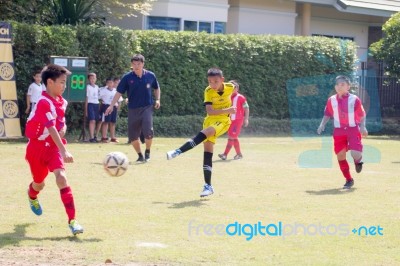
{"type": "Point", "coordinates": [28, 103]}
{"type": "Point", "coordinates": [211, 111]}
{"type": "Point", "coordinates": [157, 95]}
{"type": "Point", "coordinates": [322, 125]}
{"type": "Point", "coordinates": [363, 118]}
{"type": "Point", "coordinates": [86, 106]}
{"type": "Point", "coordinates": [113, 102]}
{"type": "Point", "coordinates": [57, 140]}
{"type": "Point", "coordinates": [246, 113]}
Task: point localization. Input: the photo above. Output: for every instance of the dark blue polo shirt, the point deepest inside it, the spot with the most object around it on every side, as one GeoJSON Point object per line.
{"type": "Point", "coordinates": [139, 90]}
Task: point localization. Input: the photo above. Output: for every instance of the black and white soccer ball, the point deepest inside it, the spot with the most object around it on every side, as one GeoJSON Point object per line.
{"type": "Point", "coordinates": [116, 163]}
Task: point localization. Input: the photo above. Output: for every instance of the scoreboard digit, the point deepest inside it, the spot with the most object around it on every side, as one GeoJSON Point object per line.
{"type": "Point", "coordinates": [75, 90]}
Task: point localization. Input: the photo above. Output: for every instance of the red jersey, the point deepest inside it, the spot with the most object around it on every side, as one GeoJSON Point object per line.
{"type": "Point", "coordinates": [46, 113]}
{"type": "Point", "coordinates": [346, 111]}
{"type": "Point", "coordinates": [238, 101]}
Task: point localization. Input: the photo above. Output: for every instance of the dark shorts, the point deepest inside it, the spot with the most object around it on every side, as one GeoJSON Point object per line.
{"type": "Point", "coordinates": [140, 120]}
{"type": "Point", "coordinates": [110, 118]}
{"type": "Point", "coordinates": [93, 111]}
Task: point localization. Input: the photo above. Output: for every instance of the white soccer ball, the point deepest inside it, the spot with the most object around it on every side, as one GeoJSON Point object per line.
{"type": "Point", "coordinates": [116, 163]}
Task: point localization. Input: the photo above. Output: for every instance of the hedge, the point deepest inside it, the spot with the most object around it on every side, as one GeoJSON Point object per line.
{"type": "Point", "coordinates": [276, 73]}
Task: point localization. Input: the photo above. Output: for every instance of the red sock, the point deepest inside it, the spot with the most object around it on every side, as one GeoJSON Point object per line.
{"type": "Point", "coordinates": [344, 167]}
{"type": "Point", "coordinates": [236, 144]}
{"type": "Point", "coordinates": [68, 200]}
{"type": "Point", "coordinates": [32, 193]}
{"type": "Point", "coordinates": [228, 146]}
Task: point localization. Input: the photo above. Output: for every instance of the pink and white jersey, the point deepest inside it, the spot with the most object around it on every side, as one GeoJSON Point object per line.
{"type": "Point", "coordinates": [238, 101]}
{"type": "Point", "coordinates": [346, 111]}
{"type": "Point", "coordinates": [46, 113]}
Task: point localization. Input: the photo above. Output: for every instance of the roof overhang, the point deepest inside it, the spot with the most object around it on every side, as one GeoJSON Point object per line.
{"type": "Point", "coordinates": [380, 8]}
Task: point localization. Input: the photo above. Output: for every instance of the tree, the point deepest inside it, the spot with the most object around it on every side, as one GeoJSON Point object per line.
{"type": "Point", "coordinates": [50, 12]}
{"type": "Point", "coordinates": [387, 49]}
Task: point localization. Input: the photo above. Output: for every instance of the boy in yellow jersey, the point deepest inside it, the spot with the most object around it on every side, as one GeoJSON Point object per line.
{"type": "Point", "coordinates": [217, 100]}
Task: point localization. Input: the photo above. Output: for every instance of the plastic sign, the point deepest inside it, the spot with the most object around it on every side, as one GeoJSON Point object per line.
{"type": "Point", "coordinates": [76, 82]}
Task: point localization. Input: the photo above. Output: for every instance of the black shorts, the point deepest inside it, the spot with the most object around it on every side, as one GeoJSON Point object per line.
{"type": "Point", "coordinates": [140, 120]}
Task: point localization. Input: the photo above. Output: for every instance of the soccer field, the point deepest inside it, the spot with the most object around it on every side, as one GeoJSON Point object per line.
{"type": "Point", "coordinates": [282, 204]}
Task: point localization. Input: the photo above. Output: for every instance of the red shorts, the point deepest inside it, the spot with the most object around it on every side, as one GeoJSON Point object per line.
{"type": "Point", "coordinates": [235, 128]}
{"type": "Point", "coordinates": [43, 158]}
{"type": "Point", "coordinates": [348, 138]}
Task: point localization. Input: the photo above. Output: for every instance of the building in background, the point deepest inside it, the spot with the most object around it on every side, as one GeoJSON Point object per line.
{"type": "Point", "coordinates": [358, 21]}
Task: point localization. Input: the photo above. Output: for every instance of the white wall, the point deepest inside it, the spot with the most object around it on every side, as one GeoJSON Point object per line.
{"type": "Point", "coordinates": [358, 31]}
{"type": "Point", "coordinates": [197, 10]}
{"type": "Point", "coordinates": [260, 21]}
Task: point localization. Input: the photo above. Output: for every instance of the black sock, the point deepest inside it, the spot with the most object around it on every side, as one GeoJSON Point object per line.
{"type": "Point", "coordinates": [207, 167]}
{"type": "Point", "coordinates": [147, 152]}
{"type": "Point", "coordinates": [140, 155]}
{"type": "Point", "coordinates": [191, 143]}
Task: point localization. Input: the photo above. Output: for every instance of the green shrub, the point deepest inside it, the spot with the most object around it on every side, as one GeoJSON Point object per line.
{"type": "Point", "coordinates": [267, 67]}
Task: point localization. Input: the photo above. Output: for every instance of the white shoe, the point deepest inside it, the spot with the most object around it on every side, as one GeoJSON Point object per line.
{"type": "Point", "coordinates": [172, 154]}
{"type": "Point", "coordinates": [207, 191]}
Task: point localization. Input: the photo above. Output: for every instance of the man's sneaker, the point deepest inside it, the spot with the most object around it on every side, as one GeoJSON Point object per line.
{"type": "Point", "coordinates": [147, 156]}
{"type": "Point", "coordinates": [93, 140]}
{"type": "Point", "coordinates": [348, 184]}
{"type": "Point", "coordinates": [75, 227]}
{"type": "Point", "coordinates": [207, 190]}
{"type": "Point", "coordinates": [238, 157]}
{"type": "Point", "coordinates": [359, 167]}
{"type": "Point", "coordinates": [222, 156]}
{"type": "Point", "coordinates": [140, 159]}
{"type": "Point", "coordinates": [114, 140]}
{"type": "Point", "coordinates": [172, 154]}
{"type": "Point", "coordinates": [35, 206]}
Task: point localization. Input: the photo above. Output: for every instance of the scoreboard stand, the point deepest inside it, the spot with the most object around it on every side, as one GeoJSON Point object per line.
{"type": "Point", "coordinates": [75, 91]}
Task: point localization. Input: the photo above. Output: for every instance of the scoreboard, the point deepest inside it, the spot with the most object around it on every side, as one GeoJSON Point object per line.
{"type": "Point", "coordinates": [75, 90]}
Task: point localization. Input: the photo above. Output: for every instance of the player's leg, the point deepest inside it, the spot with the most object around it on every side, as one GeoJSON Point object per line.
{"type": "Point", "coordinates": [229, 143]}
{"type": "Point", "coordinates": [112, 125]}
{"type": "Point", "coordinates": [39, 172]}
{"type": "Point", "coordinates": [207, 168]}
{"type": "Point", "coordinates": [104, 129]}
{"type": "Point", "coordinates": [356, 148]}
{"type": "Point", "coordinates": [235, 136]}
{"type": "Point", "coordinates": [207, 131]}
{"type": "Point", "coordinates": [147, 130]}
{"type": "Point", "coordinates": [134, 131]}
{"type": "Point", "coordinates": [67, 199]}
{"type": "Point", "coordinates": [92, 120]}
{"type": "Point", "coordinates": [341, 147]}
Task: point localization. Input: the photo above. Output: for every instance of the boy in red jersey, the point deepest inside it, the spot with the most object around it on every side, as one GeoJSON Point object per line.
{"type": "Point", "coordinates": [46, 151]}
{"type": "Point", "coordinates": [238, 120]}
{"type": "Point", "coordinates": [349, 125]}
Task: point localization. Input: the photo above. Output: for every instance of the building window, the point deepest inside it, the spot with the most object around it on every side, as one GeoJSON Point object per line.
{"type": "Point", "coordinates": [335, 36]}
{"type": "Point", "coordinates": [190, 25]}
{"type": "Point", "coordinates": [205, 26]}
{"type": "Point", "coordinates": [219, 27]}
{"type": "Point", "coordinates": [163, 23]}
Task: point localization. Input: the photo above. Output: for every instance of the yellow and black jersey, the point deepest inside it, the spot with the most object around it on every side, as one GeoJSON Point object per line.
{"type": "Point", "coordinates": [219, 99]}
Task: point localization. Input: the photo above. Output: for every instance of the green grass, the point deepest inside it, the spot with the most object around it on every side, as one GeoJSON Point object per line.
{"type": "Point", "coordinates": [143, 216]}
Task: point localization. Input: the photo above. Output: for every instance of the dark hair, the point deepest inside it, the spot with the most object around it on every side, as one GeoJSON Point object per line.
{"type": "Point", "coordinates": [91, 74]}
{"type": "Point", "coordinates": [214, 72]}
{"type": "Point", "coordinates": [235, 83]}
{"type": "Point", "coordinates": [116, 79]}
{"type": "Point", "coordinates": [339, 79]}
{"type": "Point", "coordinates": [138, 58]}
{"type": "Point", "coordinates": [53, 72]}
{"type": "Point", "coordinates": [108, 79]}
